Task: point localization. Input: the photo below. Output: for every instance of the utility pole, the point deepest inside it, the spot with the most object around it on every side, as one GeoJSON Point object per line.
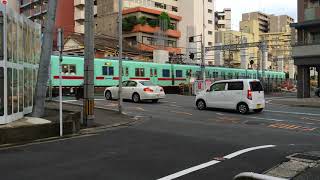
{"type": "Point", "coordinates": [46, 49]}
{"type": "Point", "coordinates": [60, 48]}
{"type": "Point", "coordinates": [120, 56]}
{"type": "Point", "coordinates": [88, 86]}
{"type": "Point", "coordinates": [203, 63]}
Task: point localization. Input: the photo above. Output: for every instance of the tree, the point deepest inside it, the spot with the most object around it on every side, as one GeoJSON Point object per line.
{"type": "Point", "coordinates": [164, 21]}
{"type": "Point", "coordinates": [46, 49]}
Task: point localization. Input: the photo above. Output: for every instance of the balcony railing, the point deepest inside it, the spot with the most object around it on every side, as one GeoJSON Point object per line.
{"type": "Point", "coordinates": [150, 29]}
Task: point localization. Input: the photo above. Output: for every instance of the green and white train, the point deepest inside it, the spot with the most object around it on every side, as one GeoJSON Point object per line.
{"type": "Point", "coordinates": [106, 72]}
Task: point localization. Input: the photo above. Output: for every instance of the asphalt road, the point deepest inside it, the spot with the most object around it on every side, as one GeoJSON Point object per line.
{"type": "Point", "coordinates": [177, 142]}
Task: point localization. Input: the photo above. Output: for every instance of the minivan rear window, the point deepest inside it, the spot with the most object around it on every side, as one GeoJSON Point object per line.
{"type": "Point", "coordinates": [256, 86]}
{"type": "Point", "coordinates": [233, 86]}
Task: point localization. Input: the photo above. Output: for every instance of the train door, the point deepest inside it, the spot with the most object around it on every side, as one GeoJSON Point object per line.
{"type": "Point", "coordinates": [154, 75]}
{"type": "Point", "coordinates": [125, 73]}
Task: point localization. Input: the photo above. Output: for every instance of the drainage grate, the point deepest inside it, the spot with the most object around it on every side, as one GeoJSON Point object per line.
{"type": "Point", "coordinates": [307, 157]}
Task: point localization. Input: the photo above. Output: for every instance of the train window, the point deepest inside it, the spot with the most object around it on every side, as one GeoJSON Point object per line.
{"type": "Point", "coordinates": [155, 73]}
{"type": "Point", "coordinates": [69, 69]}
{"type": "Point", "coordinates": [198, 74]}
{"type": "Point", "coordinates": [127, 71]}
{"type": "Point", "coordinates": [2, 86]}
{"type": "Point", "coordinates": [189, 73]}
{"type": "Point", "coordinates": [139, 72]}
{"type": "Point", "coordinates": [215, 74]}
{"type": "Point", "coordinates": [165, 73]}
{"type": "Point", "coordinates": [107, 70]}
{"type": "Point", "coordinates": [230, 75]}
{"type": "Point", "coordinates": [151, 73]}
{"type": "Point", "coordinates": [179, 73]}
{"type": "Point", "coordinates": [223, 75]}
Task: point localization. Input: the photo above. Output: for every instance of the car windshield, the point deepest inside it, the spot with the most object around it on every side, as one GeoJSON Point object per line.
{"type": "Point", "coordinates": [147, 83]}
{"type": "Point", "coordinates": [256, 86]}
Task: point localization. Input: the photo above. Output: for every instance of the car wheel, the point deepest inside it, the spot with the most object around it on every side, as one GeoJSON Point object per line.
{"type": "Point", "coordinates": [258, 110]}
{"type": "Point", "coordinates": [108, 95]}
{"type": "Point", "coordinates": [243, 108]}
{"type": "Point", "coordinates": [155, 100]}
{"type": "Point", "coordinates": [136, 98]}
{"type": "Point", "coordinates": [201, 105]}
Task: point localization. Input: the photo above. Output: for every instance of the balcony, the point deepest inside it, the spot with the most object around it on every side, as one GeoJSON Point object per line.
{"type": "Point", "coordinates": [150, 48]}
{"type": "Point", "coordinates": [150, 29]}
{"type": "Point", "coordinates": [79, 15]}
{"type": "Point", "coordinates": [79, 2]}
{"type": "Point", "coordinates": [306, 50]}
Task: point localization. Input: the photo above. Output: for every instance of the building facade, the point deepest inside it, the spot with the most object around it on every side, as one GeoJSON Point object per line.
{"type": "Point", "coordinates": [280, 23]}
{"type": "Point", "coordinates": [262, 18]}
{"type": "Point", "coordinates": [306, 51]}
{"type": "Point", "coordinates": [223, 20]}
{"type": "Point", "coordinates": [69, 15]}
{"type": "Point", "coordinates": [19, 59]}
{"type": "Point", "coordinates": [186, 16]}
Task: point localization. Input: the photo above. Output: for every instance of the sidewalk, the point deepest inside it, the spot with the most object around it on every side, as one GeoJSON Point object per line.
{"type": "Point", "coordinates": [307, 102]}
{"type": "Point", "coordinates": [103, 117]}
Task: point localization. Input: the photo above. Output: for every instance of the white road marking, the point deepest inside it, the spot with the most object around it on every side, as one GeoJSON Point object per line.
{"type": "Point", "coordinates": [213, 162]}
{"type": "Point", "coordinates": [220, 114]}
{"type": "Point", "coordinates": [296, 113]}
{"type": "Point", "coordinates": [235, 154]}
{"type": "Point", "coordinates": [73, 100]}
{"type": "Point", "coordinates": [180, 112]}
{"type": "Point", "coordinates": [268, 119]}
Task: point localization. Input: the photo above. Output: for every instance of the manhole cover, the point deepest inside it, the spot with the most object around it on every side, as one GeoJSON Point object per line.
{"type": "Point", "coordinates": [307, 157]}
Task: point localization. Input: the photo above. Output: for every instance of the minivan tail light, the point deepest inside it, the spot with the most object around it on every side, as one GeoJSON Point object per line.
{"type": "Point", "coordinates": [249, 95]}
{"type": "Point", "coordinates": [147, 90]}
{"type": "Point", "coordinates": [161, 89]}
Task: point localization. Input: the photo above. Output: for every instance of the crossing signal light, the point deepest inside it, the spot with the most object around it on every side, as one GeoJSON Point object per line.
{"type": "Point", "coordinates": [191, 56]}
{"type": "Point", "coordinates": [251, 62]}
{"type": "Point", "coordinates": [191, 39]}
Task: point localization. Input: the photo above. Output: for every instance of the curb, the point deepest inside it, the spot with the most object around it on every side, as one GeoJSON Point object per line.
{"type": "Point", "coordinates": [82, 133]}
{"type": "Point", "coordinates": [294, 104]}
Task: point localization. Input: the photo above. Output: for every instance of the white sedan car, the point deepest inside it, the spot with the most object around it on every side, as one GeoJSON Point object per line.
{"type": "Point", "coordinates": [136, 91]}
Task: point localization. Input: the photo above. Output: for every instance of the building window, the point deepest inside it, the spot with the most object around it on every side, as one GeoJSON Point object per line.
{"type": "Point", "coordinates": [2, 86]}
{"type": "Point", "coordinates": [178, 73]}
{"type": "Point", "coordinates": [210, 11]}
{"type": "Point", "coordinates": [107, 70]}
{"type": "Point", "coordinates": [174, 9]}
{"type": "Point", "coordinates": [209, 43]}
{"type": "Point", "coordinates": [209, 21]}
{"type": "Point", "coordinates": [210, 1]}
{"type": "Point", "coordinates": [160, 5]}
{"type": "Point", "coordinates": [165, 73]}
{"type": "Point", "coordinates": [210, 32]}
{"type": "Point", "coordinates": [9, 91]}
{"type": "Point", "coordinates": [139, 72]}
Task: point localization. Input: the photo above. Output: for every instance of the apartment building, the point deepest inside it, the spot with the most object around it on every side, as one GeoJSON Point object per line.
{"type": "Point", "coordinates": [197, 19]}
{"type": "Point", "coordinates": [262, 18]}
{"type": "Point", "coordinates": [232, 58]}
{"type": "Point", "coordinates": [186, 21]}
{"type": "Point", "coordinates": [280, 23]}
{"type": "Point", "coordinates": [79, 14]}
{"type": "Point", "coordinates": [223, 20]}
{"type": "Point", "coordinates": [69, 16]}
{"type": "Point", "coordinates": [306, 51]}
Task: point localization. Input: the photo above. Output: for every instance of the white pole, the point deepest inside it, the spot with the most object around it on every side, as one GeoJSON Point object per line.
{"type": "Point", "coordinates": [120, 55]}
{"type": "Point", "coordinates": [203, 64]}
{"type": "Point", "coordinates": [60, 39]}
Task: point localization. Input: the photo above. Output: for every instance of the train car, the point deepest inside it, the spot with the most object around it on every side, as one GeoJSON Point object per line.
{"type": "Point", "coordinates": [166, 75]}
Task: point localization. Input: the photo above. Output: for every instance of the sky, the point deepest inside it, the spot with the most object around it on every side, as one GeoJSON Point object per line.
{"type": "Point", "coordinates": [277, 7]}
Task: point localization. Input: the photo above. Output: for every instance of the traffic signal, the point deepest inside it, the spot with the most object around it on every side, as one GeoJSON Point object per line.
{"type": "Point", "coordinates": [191, 39]}
{"type": "Point", "coordinates": [191, 56]}
{"type": "Point", "coordinates": [251, 62]}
